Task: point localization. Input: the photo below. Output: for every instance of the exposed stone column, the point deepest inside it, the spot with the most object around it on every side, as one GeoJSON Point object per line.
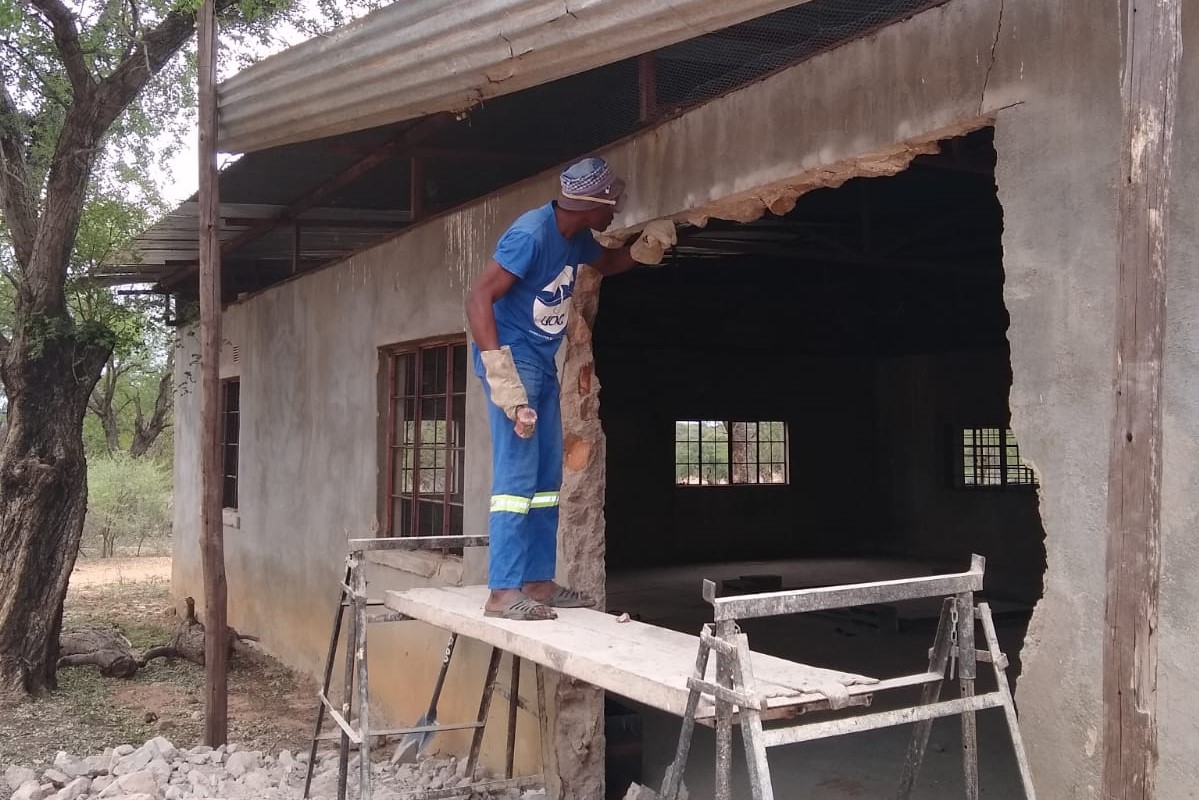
{"type": "Point", "coordinates": [581, 545]}
{"type": "Point", "coordinates": [577, 709]}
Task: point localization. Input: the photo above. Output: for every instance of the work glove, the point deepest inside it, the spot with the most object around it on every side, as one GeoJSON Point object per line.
{"type": "Point", "coordinates": [507, 391]}
{"type": "Point", "coordinates": [654, 241]}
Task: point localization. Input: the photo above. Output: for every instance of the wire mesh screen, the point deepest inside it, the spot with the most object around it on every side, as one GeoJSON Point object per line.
{"type": "Point", "coordinates": [506, 139]}
{"type": "Point", "coordinates": [581, 113]}
{"type": "Point", "coordinates": [705, 67]}
{"type": "Point", "coordinates": [560, 120]}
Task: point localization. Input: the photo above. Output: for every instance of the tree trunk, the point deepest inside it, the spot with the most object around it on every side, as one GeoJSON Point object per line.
{"type": "Point", "coordinates": [112, 435]}
{"type": "Point", "coordinates": [102, 402]}
{"type": "Point", "coordinates": [188, 641]}
{"type": "Point", "coordinates": [49, 372]}
{"type": "Point", "coordinates": [50, 367]}
{"type": "Point", "coordinates": [145, 434]}
{"type": "Point", "coordinates": [99, 647]}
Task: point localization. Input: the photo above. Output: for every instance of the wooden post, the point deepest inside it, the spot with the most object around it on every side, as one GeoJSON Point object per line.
{"type": "Point", "coordinates": [513, 706]}
{"type": "Point", "coordinates": [1149, 91]}
{"type": "Point", "coordinates": [416, 191]}
{"type": "Point", "coordinates": [647, 82]}
{"type": "Point", "coordinates": [216, 647]}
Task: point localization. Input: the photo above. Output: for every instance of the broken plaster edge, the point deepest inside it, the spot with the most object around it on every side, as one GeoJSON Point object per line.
{"type": "Point", "coordinates": [779, 197]}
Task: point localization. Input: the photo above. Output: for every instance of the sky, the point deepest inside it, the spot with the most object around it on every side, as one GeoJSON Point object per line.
{"type": "Point", "coordinates": [180, 179]}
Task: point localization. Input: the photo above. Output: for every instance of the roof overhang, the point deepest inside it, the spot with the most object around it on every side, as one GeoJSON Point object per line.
{"type": "Point", "coordinates": [420, 57]}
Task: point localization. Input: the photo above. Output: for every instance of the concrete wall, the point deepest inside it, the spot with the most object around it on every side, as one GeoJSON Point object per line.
{"type": "Point", "coordinates": [1048, 70]}
{"type": "Point", "coordinates": [309, 362]}
{"type": "Point", "coordinates": [828, 407]}
{"type": "Point", "coordinates": [1058, 163]}
{"type": "Point", "coordinates": [923, 402]}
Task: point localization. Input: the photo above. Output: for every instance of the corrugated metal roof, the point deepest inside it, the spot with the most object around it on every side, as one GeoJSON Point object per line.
{"type": "Point", "coordinates": [418, 57]}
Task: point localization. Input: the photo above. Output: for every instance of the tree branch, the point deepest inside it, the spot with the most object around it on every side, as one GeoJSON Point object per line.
{"type": "Point", "coordinates": [66, 39]}
{"type": "Point", "coordinates": [144, 435]}
{"type": "Point", "coordinates": [88, 119]}
{"type": "Point", "coordinates": [48, 90]}
{"type": "Point", "coordinates": [16, 195]}
{"type": "Point", "coordinates": [135, 22]}
{"type": "Point", "coordinates": [144, 61]}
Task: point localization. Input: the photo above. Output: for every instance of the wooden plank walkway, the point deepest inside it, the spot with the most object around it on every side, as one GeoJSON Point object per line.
{"type": "Point", "coordinates": [643, 663]}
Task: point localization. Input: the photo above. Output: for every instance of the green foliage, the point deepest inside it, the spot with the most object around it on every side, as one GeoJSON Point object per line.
{"type": "Point", "coordinates": [719, 452]}
{"type": "Point", "coordinates": [122, 194]}
{"type": "Point", "coordinates": [129, 506]}
{"type": "Point", "coordinates": [128, 392]}
{"type": "Point", "coordinates": [701, 452]}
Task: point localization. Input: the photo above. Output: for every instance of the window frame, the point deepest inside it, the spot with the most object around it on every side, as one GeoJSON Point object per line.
{"type": "Point", "coordinates": [1007, 441]}
{"type": "Point", "coordinates": [227, 385]}
{"type": "Point", "coordinates": [455, 453]}
{"type": "Point", "coordinates": [757, 463]}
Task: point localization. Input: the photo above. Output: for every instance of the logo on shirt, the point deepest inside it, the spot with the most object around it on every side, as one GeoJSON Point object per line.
{"type": "Point", "coordinates": [551, 306]}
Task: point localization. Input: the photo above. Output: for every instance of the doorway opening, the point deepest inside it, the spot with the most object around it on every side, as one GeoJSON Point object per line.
{"type": "Point", "coordinates": [821, 398]}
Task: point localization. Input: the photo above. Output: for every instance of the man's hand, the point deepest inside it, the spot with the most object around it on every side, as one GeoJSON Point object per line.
{"type": "Point", "coordinates": [654, 241]}
{"type": "Point", "coordinates": [507, 391]}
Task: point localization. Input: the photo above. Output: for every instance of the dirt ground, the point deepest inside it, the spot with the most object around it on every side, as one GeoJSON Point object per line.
{"type": "Point", "coordinates": [270, 707]}
{"type": "Point", "coordinates": [101, 571]}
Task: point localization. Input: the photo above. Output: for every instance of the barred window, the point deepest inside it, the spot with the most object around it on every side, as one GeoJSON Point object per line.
{"type": "Point", "coordinates": [723, 452]}
{"type": "Point", "coordinates": [230, 440]}
{"type": "Point", "coordinates": [426, 438]}
{"type": "Point", "coordinates": [991, 457]}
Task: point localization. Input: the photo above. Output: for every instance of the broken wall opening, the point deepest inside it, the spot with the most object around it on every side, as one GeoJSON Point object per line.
{"type": "Point", "coordinates": [817, 398]}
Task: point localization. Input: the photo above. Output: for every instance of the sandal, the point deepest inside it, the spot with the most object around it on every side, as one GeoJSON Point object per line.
{"type": "Point", "coordinates": [568, 598]}
{"type": "Point", "coordinates": [524, 609]}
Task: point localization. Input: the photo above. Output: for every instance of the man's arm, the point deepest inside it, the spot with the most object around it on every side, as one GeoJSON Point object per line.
{"type": "Point", "coordinates": [491, 285]}
{"type": "Point", "coordinates": [657, 237]}
{"type": "Point", "coordinates": [614, 262]}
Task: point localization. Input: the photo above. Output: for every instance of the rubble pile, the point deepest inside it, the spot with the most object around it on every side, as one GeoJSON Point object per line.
{"type": "Point", "coordinates": [159, 771]}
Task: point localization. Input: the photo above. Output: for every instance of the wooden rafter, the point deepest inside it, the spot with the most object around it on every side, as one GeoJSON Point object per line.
{"type": "Point", "coordinates": [400, 145]}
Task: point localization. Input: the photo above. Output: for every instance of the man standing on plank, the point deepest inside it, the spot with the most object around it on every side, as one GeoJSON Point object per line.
{"type": "Point", "coordinates": [517, 310]}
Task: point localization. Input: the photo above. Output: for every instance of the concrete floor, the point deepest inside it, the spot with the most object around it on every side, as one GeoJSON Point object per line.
{"type": "Point", "coordinates": [853, 767]}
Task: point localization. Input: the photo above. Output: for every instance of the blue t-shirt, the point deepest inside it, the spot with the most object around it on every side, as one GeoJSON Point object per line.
{"type": "Point", "coordinates": [531, 317]}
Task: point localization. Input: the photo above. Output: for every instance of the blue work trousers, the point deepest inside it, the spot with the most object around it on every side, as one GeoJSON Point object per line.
{"type": "Point", "coordinates": [526, 475]}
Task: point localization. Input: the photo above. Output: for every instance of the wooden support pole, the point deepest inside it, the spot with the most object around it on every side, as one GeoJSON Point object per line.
{"type": "Point", "coordinates": [416, 191]}
{"type": "Point", "coordinates": [216, 645]}
{"type": "Point", "coordinates": [1149, 90]}
{"type": "Point", "coordinates": [296, 247]}
{"type": "Point", "coordinates": [476, 744]}
{"type": "Point", "coordinates": [513, 705]}
{"type": "Point", "coordinates": [647, 81]}
{"type": "Point", "coordinates": [549, 753]}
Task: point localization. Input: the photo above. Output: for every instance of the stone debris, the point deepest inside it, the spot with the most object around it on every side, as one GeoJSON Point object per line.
{"type": "Point", "coordinates": [157, 770]}
{"type": "Point", "coordinates": [16, 777]}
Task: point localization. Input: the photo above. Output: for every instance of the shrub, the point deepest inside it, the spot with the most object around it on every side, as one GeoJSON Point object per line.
{"type": "Point", "coordinates": [128, 505]}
